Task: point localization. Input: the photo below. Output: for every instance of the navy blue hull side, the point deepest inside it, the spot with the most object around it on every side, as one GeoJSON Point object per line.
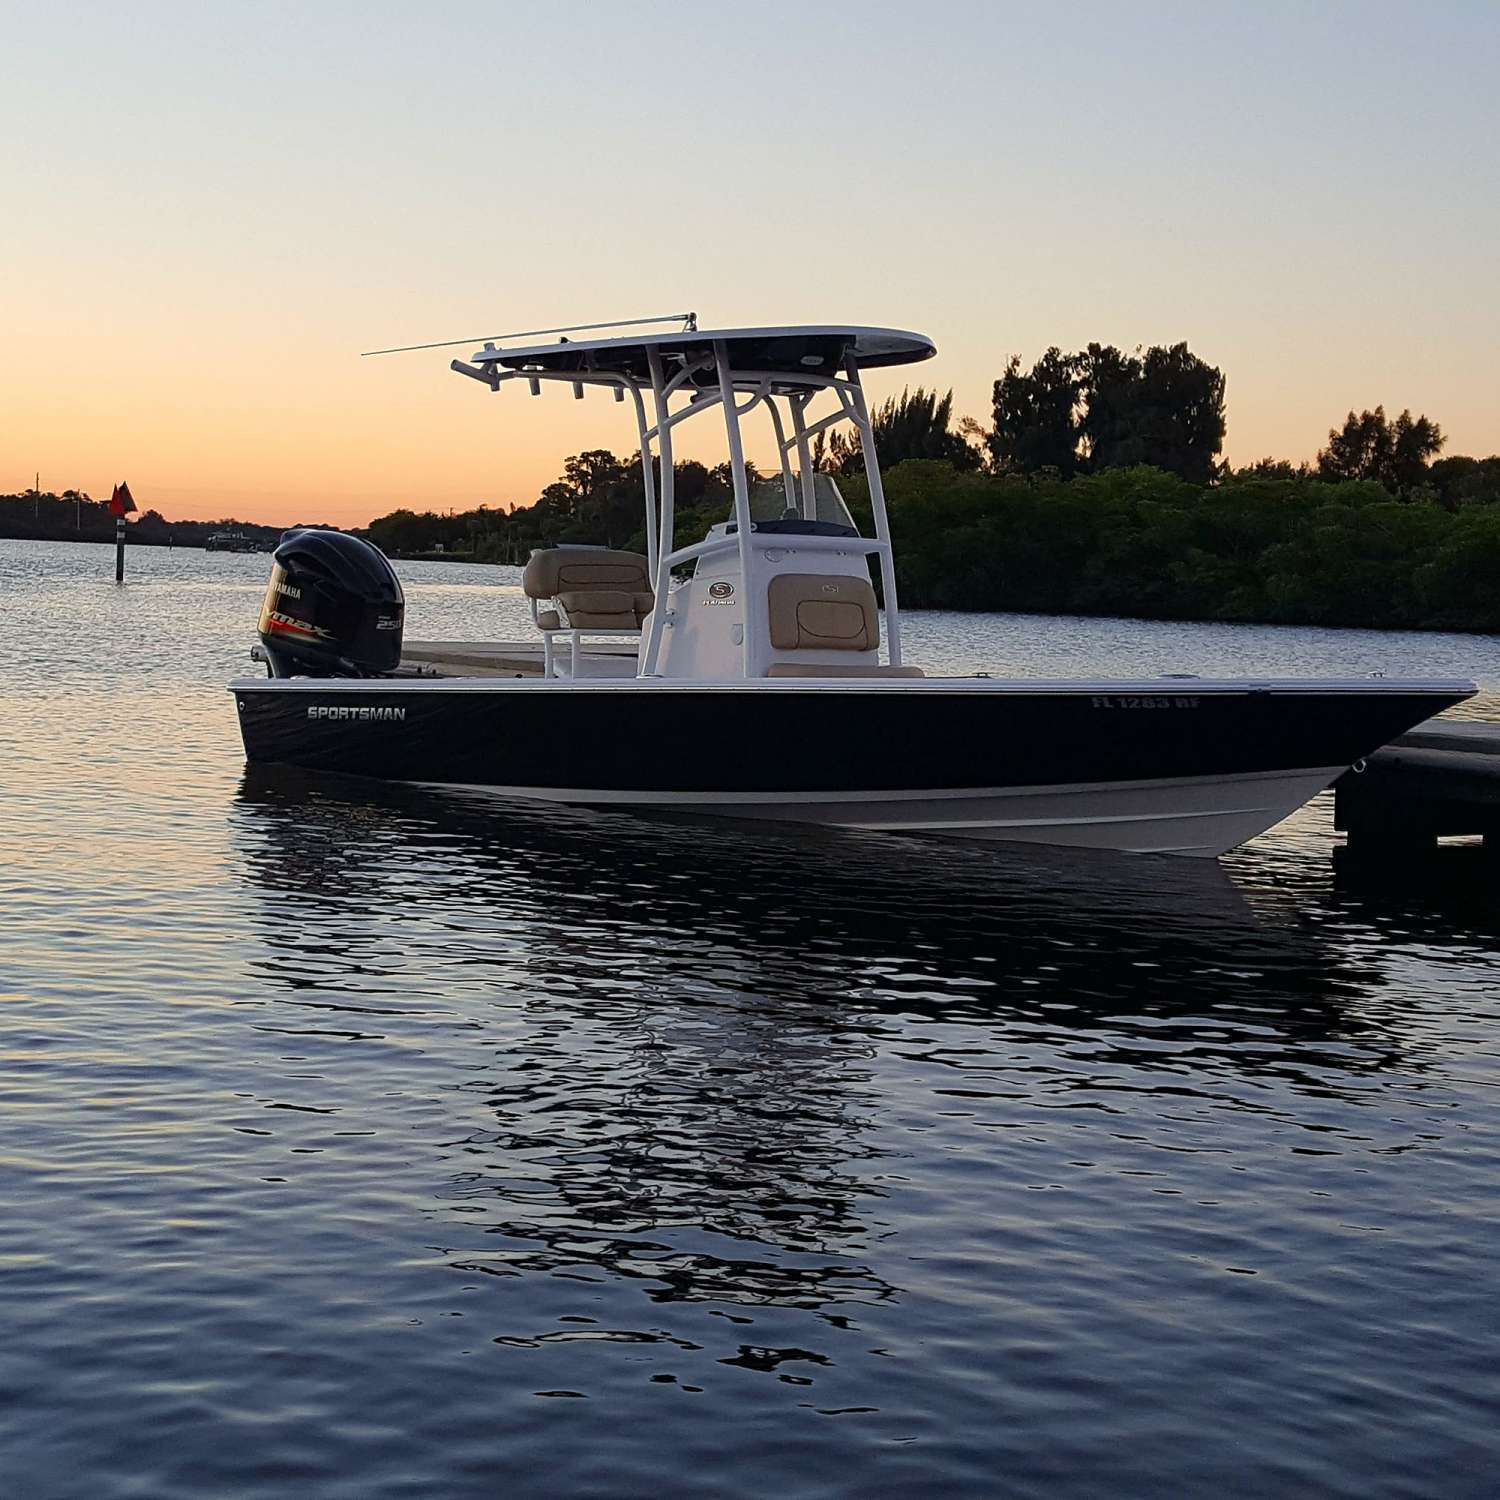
{"type": "Point", "coordinates": [815, 741]}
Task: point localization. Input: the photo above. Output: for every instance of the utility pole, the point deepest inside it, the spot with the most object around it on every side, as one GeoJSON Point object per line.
{"type": "Point", "coordinates": [36, 495]}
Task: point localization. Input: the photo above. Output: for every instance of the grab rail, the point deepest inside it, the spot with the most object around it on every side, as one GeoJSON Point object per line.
{"type": "Point", "coordinates": [769, 541]}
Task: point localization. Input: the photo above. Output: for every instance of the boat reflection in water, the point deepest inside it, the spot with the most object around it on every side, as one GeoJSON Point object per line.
{"type": "Point", "coordinates": [677, 1052]}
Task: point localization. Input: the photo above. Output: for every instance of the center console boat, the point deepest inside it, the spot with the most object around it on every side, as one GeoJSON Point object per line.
{"type": "Point", "coordinates": [756, 673]}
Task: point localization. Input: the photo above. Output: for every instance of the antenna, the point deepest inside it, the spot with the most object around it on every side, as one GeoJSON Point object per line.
{"type": "Point", "coordinates": [689, 321]}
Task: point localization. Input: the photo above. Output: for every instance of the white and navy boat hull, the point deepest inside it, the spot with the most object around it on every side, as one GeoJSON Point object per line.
{"type": "Point", "coordinates": [1165, 766]}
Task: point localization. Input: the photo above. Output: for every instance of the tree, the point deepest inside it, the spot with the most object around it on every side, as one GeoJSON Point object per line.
{"type": "Point", "coordinates": [1460, 480]}
{"type": "Point", "coordinates": [609, 495]}
{"type": "Point", "coordinates": [1101, 409]}
{"type": "Point", "coordinates": [976, 435]}
{"type": "Point", "coordinates": [916, 424]}
{"type": "Point", "coordinates": [1036, 416]}
{"type": "Point", "coordinates": [1109, 393]}
{"type": "Point", "coordinates": [690, 484]}
{"type": "Point", "coordinates": [1370, 446]}
{"type": "Point", "coordinates": [559, 498]}
{"type": "Point", "coordinates": [1164, 408]}
{"type": "Point", "coordinates": [1273, 468]}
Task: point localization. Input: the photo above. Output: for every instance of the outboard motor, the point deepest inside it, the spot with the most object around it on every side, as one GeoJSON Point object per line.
{"type": "Point", "coordinates": [333, 608]}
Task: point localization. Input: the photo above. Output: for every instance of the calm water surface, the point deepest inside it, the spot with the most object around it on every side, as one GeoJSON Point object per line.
{"type": "Point", "coordinates": [358, 1142]}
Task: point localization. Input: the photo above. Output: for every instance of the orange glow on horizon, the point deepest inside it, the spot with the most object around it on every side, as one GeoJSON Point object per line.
{"type": "Point", "coordinates": [343, 441]}
{"type": "Point", "coordinates": [211, 211]}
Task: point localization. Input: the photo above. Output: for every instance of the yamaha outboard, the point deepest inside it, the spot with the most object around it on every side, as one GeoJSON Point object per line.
{"type": "Point", "coordinates": [333, 608]}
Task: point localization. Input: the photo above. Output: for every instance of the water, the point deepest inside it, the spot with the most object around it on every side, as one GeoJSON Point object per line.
{"type": "Point", "coordinates": [357, 1143]}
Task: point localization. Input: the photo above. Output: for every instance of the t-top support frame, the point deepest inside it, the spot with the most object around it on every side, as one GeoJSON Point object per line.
{"type": "Point", "coordinates": [762, 387]}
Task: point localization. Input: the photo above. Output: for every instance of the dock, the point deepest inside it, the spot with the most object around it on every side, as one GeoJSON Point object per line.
{"type": "Point", "coordinates": [1440, 780]}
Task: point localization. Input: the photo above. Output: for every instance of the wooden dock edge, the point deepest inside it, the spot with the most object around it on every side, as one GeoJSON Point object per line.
{"type": "Point", "coordinates": [1441, 780]}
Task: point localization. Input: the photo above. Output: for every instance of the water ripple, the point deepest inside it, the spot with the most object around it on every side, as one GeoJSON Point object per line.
{"type": "Point", "coordinates": [372, 1142]}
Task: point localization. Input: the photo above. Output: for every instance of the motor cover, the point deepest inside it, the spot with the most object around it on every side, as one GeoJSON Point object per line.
{"type": "Point", "coordinates": [333, 607]}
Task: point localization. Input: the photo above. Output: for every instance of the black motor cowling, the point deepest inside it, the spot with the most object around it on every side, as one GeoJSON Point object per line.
{"type": "Point", "coordinates": [333, 608]}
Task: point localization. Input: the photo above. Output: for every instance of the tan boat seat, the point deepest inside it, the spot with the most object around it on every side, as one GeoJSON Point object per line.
{"type": "Point", "coordinates": [597, 588]}
{"type": "Point", "coordinates": [822, 612]}
{"type": "Point", "coordinates": [852, 669]}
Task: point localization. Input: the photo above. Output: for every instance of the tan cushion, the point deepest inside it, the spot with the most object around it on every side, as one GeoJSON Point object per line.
{"type": "Point", "coordinates": [853, 669]}
{"type": "Point", "coordinates": [597, 602]}
{"type": "Point", "coordinates": [822, 612]}
{"type": "Point", "coordinates": [589, 619]}
{"type": "Point", "coordinates": [553, 570]}
{"type": "Point", "coordinates": [598, 609]}
{"type": "Point", "coordinates": [645, 603]}
{"type": "Point", "coordinates": [548, 619]}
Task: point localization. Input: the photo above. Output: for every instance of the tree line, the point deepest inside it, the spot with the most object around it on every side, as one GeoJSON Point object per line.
{"type": "Point", "coordinates": [1289, 549]}
{"type": "Point", "coordinates": [598, 499]}
{"type": "Point", "coordinates": [1098, 488]}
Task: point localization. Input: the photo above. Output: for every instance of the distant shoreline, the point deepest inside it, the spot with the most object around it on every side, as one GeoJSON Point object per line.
{"type": "Point", "coordinates": [1051, 614]}
{"type": "Point", "coordinates": [1045, 614]}
{"type": "Point", "coordinates": [100, 538]}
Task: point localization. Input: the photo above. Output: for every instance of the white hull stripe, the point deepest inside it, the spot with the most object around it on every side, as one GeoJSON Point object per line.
{"type": "Point", "coordinates": [727, 798]}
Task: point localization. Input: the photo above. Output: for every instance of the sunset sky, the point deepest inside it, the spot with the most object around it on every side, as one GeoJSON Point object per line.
{"type": "Point", "coordinates": [210, 210]}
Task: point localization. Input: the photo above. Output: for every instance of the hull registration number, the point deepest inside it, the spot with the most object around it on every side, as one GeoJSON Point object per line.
{"type": "Point", "coordinates": [1112, 700]}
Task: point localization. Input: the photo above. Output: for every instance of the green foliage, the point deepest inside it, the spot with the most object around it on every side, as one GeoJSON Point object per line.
{"type": "Point", "coordinates": [1103, 495]}
{"type": "Point", "coordinates": [1457, 583]}
{"type": "Point", "coordinates": [1287, 548]}
{"type": "Point", "coordinates": [1273, 468]}
{"type": "Point", "coordinates": [1465, 481]}
{"type": "Point", "coordinates": [1273, 542]}
{"type": "Point", "coordinates": [599, 499]}
{"type": "Point", "coordinates": [1101, 409]}
{"type": "Point", "coordinates": [915, 424]}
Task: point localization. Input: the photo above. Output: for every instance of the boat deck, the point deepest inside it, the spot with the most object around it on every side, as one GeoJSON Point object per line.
{"type": "Point", "coordinates": [510, 658]}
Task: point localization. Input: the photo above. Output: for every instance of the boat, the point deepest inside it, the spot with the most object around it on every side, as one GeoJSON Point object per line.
{"type": "Point", "coordinates": [756, 673]}
{"type": "Point", "coordinates": [230, 541]}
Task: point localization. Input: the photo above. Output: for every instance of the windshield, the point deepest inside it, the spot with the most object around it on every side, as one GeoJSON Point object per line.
{"type": "Point", "coordinates": [769, 504]}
